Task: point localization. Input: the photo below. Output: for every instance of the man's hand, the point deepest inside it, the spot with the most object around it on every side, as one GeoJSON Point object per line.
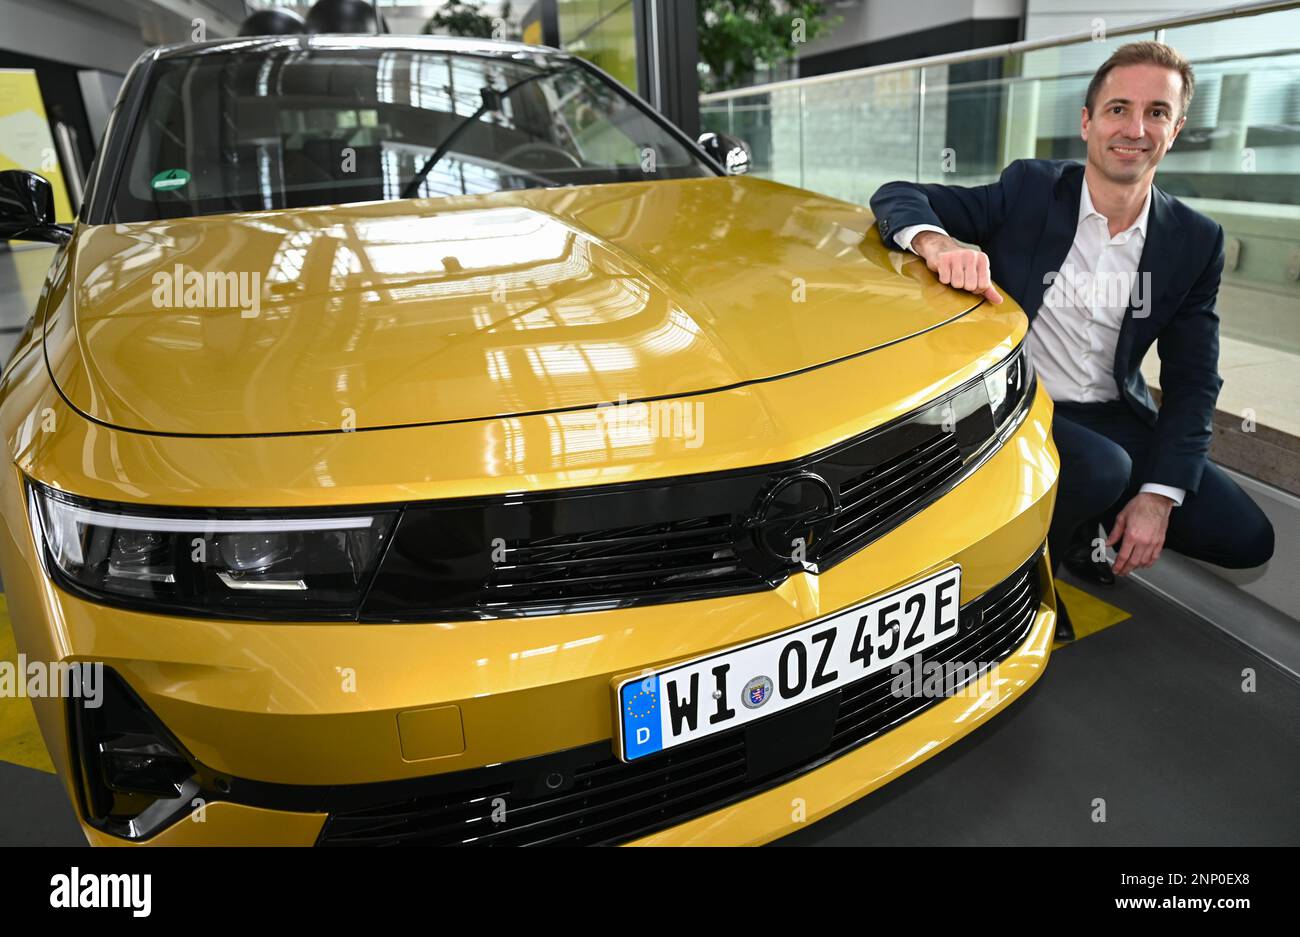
{"type": "Point", "coordinates": [960, 267]}
{"type": "Point", "coordinates": [1142, 525]}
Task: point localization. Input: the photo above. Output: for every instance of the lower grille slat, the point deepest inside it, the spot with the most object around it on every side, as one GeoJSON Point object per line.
{"type": "Point", "coordinates": [871, 711]}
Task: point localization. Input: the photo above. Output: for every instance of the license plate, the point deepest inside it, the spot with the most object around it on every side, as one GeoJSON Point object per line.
{"type": "Point", "coordinates": [741, 684]}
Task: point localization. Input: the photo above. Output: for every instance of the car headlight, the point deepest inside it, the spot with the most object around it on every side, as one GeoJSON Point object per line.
{"type": "Point", "coordinates": [1008, 386]}
{"type": "Point", "coordinates": [236, 563]}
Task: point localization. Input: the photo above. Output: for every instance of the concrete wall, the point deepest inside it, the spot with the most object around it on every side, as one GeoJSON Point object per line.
{"type": "Point", "coordinates": [1062, 17]}
{"type": "Point", "coordinates": [108, 35]}
{"type": "Point", "coordinates": [69, 33]}
{"type": "Point", "coordinates": [865, 21]}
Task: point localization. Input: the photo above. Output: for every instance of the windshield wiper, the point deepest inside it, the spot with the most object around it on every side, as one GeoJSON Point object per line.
{"type": "Point", "coordinates": [491, 101]}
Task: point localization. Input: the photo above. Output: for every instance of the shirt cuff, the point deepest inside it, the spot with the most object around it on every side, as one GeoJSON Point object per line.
{"type": "Point", "coordinates": [1176, 494]}
{"type": "Point", "coordinates": [903, 236]}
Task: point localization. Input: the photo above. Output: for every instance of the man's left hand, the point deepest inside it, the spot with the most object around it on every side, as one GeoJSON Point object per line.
{"type": "Point", "coordinates": [1141, 525]}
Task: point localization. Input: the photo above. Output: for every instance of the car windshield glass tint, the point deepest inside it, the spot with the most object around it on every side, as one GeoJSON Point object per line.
{"type": "Point", "coordinates": [291, 128]}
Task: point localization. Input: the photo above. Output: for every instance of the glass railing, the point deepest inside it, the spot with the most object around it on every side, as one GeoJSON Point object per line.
{"type": "Point", "coordinates": [961, 119]}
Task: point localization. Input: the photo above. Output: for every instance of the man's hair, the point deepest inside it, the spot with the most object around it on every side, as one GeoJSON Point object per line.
{"type": "Point", "coordinates": [1144, 53]}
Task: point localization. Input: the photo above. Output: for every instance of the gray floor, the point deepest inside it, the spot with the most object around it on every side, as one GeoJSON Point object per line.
{"type": "Point", "coordinates": [34, 811]}
{"type": "Point", "coordinates": [1147, 716]}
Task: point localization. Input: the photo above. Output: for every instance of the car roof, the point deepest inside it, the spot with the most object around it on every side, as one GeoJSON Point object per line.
{"type": "Point", "coordinates": [359, 43]}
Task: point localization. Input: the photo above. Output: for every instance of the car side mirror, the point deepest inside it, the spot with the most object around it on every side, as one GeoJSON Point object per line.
{"type": "Point", "coordinates": [731, 153]}
{"type": "Point", "coordinates": [27, 209]}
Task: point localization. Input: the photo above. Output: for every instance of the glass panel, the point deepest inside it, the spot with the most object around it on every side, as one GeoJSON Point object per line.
{"type": "Point", "coordinates": [858, 133]}
{"type": "Point", "coordinates": [716, 117]}
{"type": "Point", "coordinates": [1238, 161]}
{"type": "Point", "coordinates": [750, 118]}
{"type": "Point", "coordinates": [961, 136]}
{"type": "Point", "coordinates": [291, 129]}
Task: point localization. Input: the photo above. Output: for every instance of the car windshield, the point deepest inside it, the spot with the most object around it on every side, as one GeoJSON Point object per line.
{"type": "Point", "coordinates": [293, 127]}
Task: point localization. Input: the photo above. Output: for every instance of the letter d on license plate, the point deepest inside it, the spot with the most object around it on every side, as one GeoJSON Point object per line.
{"type": "Point", "coordinates": [736, 686]}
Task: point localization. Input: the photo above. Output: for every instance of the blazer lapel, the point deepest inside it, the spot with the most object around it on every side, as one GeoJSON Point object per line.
{"type": "Point", "coordinates": [1057, 237]}
{"type": "Point", "coordinates": [1159, 261]}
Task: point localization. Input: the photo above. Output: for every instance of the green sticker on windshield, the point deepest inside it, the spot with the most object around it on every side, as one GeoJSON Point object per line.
{"type": "Point", "coordinates": [170, 179]}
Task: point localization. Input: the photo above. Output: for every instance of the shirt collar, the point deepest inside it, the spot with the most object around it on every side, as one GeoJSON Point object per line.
{"type": "Point", "coordinates": [1087, 209]}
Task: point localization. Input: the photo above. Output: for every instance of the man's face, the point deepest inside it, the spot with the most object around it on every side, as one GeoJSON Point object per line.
{"type": "Point", "coordinates": [1135, 119]}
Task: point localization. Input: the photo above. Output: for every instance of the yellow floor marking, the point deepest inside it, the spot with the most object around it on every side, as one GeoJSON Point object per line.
{"type": "Point", "coordinates": [1088, 613]}
{"type": "Point", "coordinates": [20, 738]}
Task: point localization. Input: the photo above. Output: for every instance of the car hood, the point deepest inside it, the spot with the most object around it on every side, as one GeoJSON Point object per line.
{"type": "Point", "coordinates": [425, 311]}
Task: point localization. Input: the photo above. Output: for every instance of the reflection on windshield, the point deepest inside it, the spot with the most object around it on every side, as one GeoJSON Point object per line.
{"type": "Point", "coordinates": [493, 101]}
{"type": "Point", "coordinates": [287, 128]}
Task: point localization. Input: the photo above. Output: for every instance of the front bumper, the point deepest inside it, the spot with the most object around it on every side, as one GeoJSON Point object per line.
{"type": "Point", "coordinates": [278, 707]}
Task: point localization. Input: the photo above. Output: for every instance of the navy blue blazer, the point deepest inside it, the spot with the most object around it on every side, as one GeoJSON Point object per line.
{"type": "Point", "coordinates": [1026, 223]}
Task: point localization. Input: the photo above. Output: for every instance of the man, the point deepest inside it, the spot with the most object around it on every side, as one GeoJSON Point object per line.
{"type": "Point", "coordinates": [1104, 264]}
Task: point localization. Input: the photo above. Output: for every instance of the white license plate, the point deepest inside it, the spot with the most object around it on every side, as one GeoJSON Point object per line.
{"type": "Point", "coordinates": [739, 685]}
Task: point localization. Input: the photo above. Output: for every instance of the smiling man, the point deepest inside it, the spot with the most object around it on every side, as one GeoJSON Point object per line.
{"type": "Point", "coordinates": [1105, 264]}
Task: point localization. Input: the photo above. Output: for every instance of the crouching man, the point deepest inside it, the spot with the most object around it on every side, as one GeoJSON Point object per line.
{"type": "Point", "coordinates": [1105, 264]}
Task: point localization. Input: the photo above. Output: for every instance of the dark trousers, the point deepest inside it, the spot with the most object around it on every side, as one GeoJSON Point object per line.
{"type": "Point", "coordinates": [1104, 451]}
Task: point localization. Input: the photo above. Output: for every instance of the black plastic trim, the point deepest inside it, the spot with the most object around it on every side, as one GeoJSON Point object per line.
{"type": "Point", "coordinates": [520, 778]}
{"type": "Point", "coordinates": [399, 577]}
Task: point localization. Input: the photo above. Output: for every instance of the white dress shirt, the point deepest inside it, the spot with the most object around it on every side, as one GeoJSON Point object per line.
{"type": "Point", "coordinates": [1076, 331]}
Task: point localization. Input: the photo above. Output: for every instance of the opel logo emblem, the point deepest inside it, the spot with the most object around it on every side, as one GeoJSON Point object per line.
{"type": "Point", "coordinates": [794, 516]}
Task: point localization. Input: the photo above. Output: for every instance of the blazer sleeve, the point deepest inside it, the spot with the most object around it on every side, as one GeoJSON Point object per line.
{"type": "Point", "coordinates": [1189, 381]}
{"type": "Point", "coordinates": [968, 213]}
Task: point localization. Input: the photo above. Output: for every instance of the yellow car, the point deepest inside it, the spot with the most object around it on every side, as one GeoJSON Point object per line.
{"type": "Point", "coordinates": [435, 446]}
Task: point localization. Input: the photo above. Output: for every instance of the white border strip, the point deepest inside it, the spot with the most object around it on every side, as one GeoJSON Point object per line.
{"type": "Point", "coordinates": [206, 524]}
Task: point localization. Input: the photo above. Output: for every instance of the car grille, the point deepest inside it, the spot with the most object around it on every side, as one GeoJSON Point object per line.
{"type": "Point", "coordinates": [872, 498]}
{"type": "Point", "coordinates": [603, 801]}
{"type": "Point", "coordinates": [703, 552]}
{"type": "Point", "coordinates": [676, 539]}
{"type": "Point", "coordinates": [625, 561]}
